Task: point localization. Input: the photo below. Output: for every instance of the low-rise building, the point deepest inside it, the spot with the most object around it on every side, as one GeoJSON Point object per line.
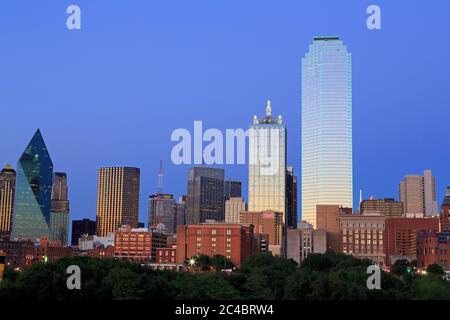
{"type": "Point", "coordinates": [266, 222]}
{"type": "Point", "coordinates": [138, 244]}
{"type": "Point", "coordinates": [305, 240]}
{"type": "Point", "coordinates": [433, 248]}
{"type": "Point", "coordinates": [400, 238]}
{"type": "Point", "coordinates": [234, 241]}
{"type": "Point", "coordinates": [363, 236]}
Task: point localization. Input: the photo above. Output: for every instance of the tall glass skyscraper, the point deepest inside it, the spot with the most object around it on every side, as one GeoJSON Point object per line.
{"type": "Point", "coordinates": [326, 126]}
{"type": "Point", "coordinates": [33, 191]}
{"type": "Point", "coordinates": [117, 198]}
{"type": "Point", "coordinates": [267, 164]}
{"type": "Point", "coordinates": [205, 195]}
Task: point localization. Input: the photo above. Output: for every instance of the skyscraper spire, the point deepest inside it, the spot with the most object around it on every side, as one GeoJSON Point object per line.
{"type": "Point", "coordinates": [160, 177]}
{"type": "Point", "coordinates": [268, 109]}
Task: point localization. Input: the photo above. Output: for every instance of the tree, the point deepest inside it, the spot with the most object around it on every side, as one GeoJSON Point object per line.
{"type": "Point", "coordinates": [435, 269]}
{"type": "Point", "coordinates": [220, 262]}
{"type": "Point", "coordinates": [265, 276]}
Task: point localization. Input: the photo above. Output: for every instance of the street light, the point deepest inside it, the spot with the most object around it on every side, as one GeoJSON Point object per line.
{"type": "Point", "coordinates": [192, 262]}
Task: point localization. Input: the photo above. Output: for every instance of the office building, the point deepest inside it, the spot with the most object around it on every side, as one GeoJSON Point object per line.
{"type": "Point", "coordinates": [117, 198]}
{"type": "Point", "coordinates": [267, 222]}
{"type": "Point", "coordinates": [180, 213]}
{"type": "Point", "coordinates": [205, 195]}
{"type": "Point", "coordinates": [82, 227]}
{"type": "Point", "coordinates": [418, 194]}
{"type": "Point", "coordinates": [233, 208]}
{"type": "Point", "coordinates": [400, 236]}
{"type": "Point", "coordinates": [162, 214]}
{"type": "Point", "coordinates": [328, 219]}
{"type": "Point", "coordinates": [326, 126]}
{"type": "Point", "coordinates": [291, 198]}
{"type": "Point", "coordinates": [267, 164]}
{"type": "Point", "coordinates": [59, 215]}
{"type": "Point", "coordinates": [234, 241]}
{"type": "Point", "coordinates": [7, 193]}
{"type": "Point", "coordinates": [363, 236]}
{"type": "Point", "coordinates": [303, 241]}
{"type": "Point", "coordinates": [232, 189]}
{"type": "Point", "coordinates": [33, 191]}
{"type": "Point", "coordinates": [387, 207]}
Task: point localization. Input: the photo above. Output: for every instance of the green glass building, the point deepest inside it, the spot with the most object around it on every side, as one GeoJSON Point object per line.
{"type": "Point", "coordinates": [33, 191]}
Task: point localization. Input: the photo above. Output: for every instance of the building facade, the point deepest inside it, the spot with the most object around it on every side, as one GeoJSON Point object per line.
{"type": "Point", "coordinates": [117, 198]}
{"type": "Point", "coordinates": [33, 191]}
{"type": "Point", "coordinates": [59, 215]}
{"type": "Point", "coordinates": [267, 164]}
{"type": "Point", "coordinates": [232, 189]}
{"type": "Point", "coordinates": [387, 207]}
{"type": "Point", "coordinates": [234, 241]}
{"type": "Point", "coordinates": [400, 237]}
{"type": "Point", "coordinates": [363, 236]}
{"type": "Point", "coordinates": [303, 241]}
{"type": "Point", "coordinates": [233, 208]}
{"type": "Point", "coordinates": [82, 227]}
{"type": "Point", "coordinates": [162, 213]}
{"type": "Point", "coordinates": [418, 194]}
{"type": "Point", "coordinates": [328, 219]}
{"type": "Point", "coordinates": [267, 222]}
{"type": "Point", "coordinates": [433, 248]}
{"type": "Point", "coordinates": [7, 193]}
{"type": "Point", "coordinates": [327, 177]}
{"type": "Point", "coordinates": [291, 198]}
{"type": "Point", "coordinates": [138, 244]}
{"type": "Point", "coordinates": [205, 195]}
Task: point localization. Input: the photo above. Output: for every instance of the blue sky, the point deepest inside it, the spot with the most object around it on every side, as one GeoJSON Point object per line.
{"type": "Point", "coordinates": [113, 92]}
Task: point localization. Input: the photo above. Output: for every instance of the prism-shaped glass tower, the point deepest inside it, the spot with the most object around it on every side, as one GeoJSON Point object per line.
{"type": "Point", "coordinates": [33, 191]}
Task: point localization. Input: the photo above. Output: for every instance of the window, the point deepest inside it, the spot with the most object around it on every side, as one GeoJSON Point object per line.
{"type": "Point", "coordinates": [213, 231]}
{"type": "Point", "coordinates": [228, 231]}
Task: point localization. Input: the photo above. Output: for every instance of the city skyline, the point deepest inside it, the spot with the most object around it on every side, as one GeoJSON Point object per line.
{"type": "Point", "coordinates": [382, 94]}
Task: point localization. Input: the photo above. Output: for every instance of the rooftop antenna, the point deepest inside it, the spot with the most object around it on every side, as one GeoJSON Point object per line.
{"type": "Point", "coordinates": [160, 177]}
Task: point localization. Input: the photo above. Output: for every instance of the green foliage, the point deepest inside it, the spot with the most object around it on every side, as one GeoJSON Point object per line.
{"type": "Point", "coordinates": [435, 269]}
{"type": "Point", "coordinates": [265, 276]}
{"type": "Point", "coordinates": [321, 276]}
{"type": "Point", "coordinates": [431, 288]}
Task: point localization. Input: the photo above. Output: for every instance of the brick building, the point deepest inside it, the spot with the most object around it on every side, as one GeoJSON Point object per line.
{"type": "Point", "coordinates": [46, 250]}
{"type": "Point", "coordinates": [433, 248]}
{"type": "Point", "coordinates": [327, 218]}
{"type": "Point", "coordinates": [266, 222]}
{"type": "Point", "coordinates": [19, 254]}
{"type": "Point", "coordinates": [363, 236]}
{"type": "Point", "coordinates": [166, 255]}
{"type": "Point", "coordinates": [401, 236]}
{"type": "Point", "coordinates": [138, 244]}
{"type": "Point", "coordinates": [233, 241]}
